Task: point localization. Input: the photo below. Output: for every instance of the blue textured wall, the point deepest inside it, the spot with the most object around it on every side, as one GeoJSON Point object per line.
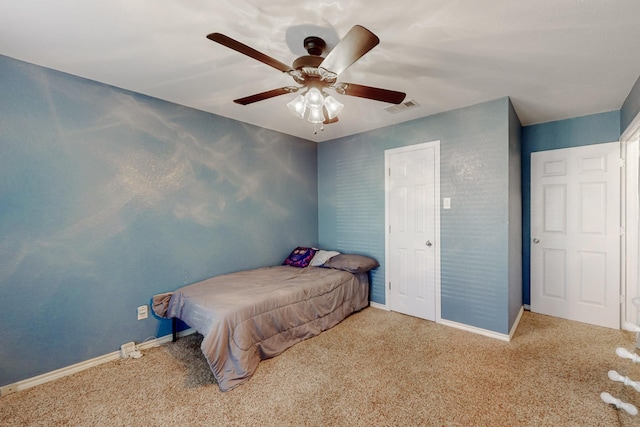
{"type": "Point", "coordinates": [475, 161]}
{"type": "Point", "coordinates": [108, 197]}
{"type": "Point", "coordinates": [631, 107]}
{"type": "Point", "coordinates": [515, 216]}
{"type": "Point", "coordinates": [586, 130]}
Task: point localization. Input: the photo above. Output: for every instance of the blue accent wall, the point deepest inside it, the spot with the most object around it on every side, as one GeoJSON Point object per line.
{"type": "Point", "coordinates": [579, 131]}
{"type": "Point", "coordinates": [515, 216]}
{"type": "Point", "coordinates": [631, 107]}
{"type": "Point", "coordinates": [108, 197]}
{"type": "Point", "coordinates": [475, 162]}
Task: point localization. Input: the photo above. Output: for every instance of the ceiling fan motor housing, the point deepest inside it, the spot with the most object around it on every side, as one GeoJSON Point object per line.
{"type": "Point", "coordinates": [314, 45]}
{"type": "Point", "coordinates": [307, 70]}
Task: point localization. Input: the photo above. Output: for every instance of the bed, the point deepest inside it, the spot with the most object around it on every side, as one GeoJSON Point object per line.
{"type": "Point", "coordinates": [252, 315]}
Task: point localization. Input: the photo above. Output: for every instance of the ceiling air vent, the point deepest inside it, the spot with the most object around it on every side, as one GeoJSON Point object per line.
{"type": "Point", "coordinates": [409, 103]}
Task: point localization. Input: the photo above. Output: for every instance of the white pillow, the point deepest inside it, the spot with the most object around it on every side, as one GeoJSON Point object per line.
{"type": "Point", "coordinates": [321, 257]}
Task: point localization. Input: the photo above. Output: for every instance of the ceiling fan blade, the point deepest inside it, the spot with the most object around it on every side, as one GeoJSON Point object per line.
{"type": "Point", "coordinates": [384, 95]}
{"type": "Point", "coordinates": [249, 51]}
{"type": "Point", "coordinates": [265, 95]}
{"type": "Point", "coordinates": [352, 47]}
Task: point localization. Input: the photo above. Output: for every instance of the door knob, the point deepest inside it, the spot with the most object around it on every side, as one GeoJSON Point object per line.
{"type": "Point", "coordinates": [429, 243]}
{"type": "Point", "coordinates": [536, 240]}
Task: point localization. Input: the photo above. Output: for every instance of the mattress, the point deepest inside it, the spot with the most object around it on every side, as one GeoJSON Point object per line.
{"type": "Point", "coordinates": [257, 314]}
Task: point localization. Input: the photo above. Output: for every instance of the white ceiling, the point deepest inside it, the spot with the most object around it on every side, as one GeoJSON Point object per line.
{"type": "Point", "coordinates": [556, 59]}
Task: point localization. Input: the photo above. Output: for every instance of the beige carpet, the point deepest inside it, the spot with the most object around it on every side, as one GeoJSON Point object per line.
{"type": "Point", "coordinates": [375, 368]}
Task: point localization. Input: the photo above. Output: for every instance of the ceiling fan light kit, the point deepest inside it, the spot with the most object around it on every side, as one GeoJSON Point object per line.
{"type": "Point", "coordinates": [315, 73]}
{"type": "Point", "coordinates": [315, 105]}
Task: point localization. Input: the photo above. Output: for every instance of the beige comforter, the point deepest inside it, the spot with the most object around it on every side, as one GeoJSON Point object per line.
{"type": "Point", "coordinates": [257, 314]}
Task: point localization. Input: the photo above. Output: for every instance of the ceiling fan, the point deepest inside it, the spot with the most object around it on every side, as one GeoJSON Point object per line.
{"type": "Point", "coordinates": [315, 73]}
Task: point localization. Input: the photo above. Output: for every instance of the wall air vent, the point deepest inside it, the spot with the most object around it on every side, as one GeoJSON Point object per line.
{"type": "Point", "coordinates": [396, 108]}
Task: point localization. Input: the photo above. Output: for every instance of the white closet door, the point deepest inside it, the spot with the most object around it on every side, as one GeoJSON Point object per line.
{"type": "Point", "coordinates": [412, 208]}
{"type": "Point", "coordinates": [575, 232]}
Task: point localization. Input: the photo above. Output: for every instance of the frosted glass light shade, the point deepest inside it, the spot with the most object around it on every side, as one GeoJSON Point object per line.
{"type": "Point", "coordinates": [314, 98]}
{"type": "Point", "coordinates": [297, 107]}
{"type": "Point", "coordinates": [333, 106]}
{"type": "Point", "coordinates": [315, 115]}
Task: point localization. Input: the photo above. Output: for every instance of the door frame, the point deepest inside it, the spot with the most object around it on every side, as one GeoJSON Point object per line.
{"type": "Point", "coordinates": [630, 212]}
{"type": "Point", "coordinates": [387, 155]}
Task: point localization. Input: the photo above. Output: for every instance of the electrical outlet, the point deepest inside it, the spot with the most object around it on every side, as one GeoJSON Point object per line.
{"type": "Point", "coordinates": [143, 312]}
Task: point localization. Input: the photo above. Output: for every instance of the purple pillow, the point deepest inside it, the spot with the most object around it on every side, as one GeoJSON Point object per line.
{"type": "Point", "coordinates": [300, 257]}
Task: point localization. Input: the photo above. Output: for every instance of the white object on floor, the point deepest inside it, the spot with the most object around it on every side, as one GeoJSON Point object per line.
{"type": "Point", "coordinates": [126, 349]}
{"type": "Point", "coordinates": [130, 349]}
{"type": "Point", "coordinates": [607, 398]}
{"type": "Point", "coordinates": [614, 376]}
{"type": "Point", "coordinates": [629, 326]}
{"type": "Point", "coordinates": [626, 354]}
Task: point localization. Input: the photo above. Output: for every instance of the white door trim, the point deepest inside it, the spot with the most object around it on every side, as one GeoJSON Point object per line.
{"type": "Point", "coordinates": [387, 155]}
{"type": "Point", "coordinates": [630, 209]}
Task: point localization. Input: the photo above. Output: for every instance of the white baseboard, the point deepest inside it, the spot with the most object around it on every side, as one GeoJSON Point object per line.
{"type": "Point", "coordinates": [516, 323]}
{"type": "Point", "coordinates": [475, 330]}
{"type": "Point", "coordinates": [378, 306]}
{"type": "Point", "coordinates": [486, 332]}
{"type": "Point", "coordinates": [156, 342]}
{"type": "Point", "coordinates": [78, 367]}
{"type": "Point", "coordinates": [480, 331]}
